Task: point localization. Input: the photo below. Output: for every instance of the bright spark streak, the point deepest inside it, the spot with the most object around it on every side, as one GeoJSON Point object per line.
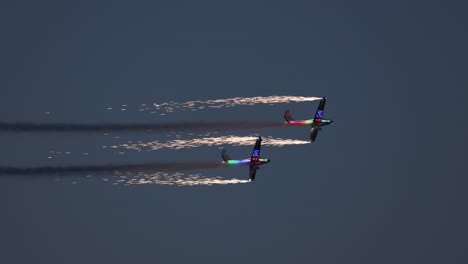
{"type": "Point", "coordinates": [228, 102]}
{"type": "Point", "coordinates": [182, 180]}
{"type": "Point", "coordinates": [212, 141]}
{"type": "Point", "coordinates": [159, 178]}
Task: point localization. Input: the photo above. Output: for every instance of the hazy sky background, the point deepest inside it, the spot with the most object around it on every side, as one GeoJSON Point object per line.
{"type": "Point", "coordinates": [386, 183]}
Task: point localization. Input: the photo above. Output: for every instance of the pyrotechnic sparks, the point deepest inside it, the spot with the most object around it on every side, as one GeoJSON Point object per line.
{"type": "Point", "coordinates": [132, 174]}
{"type": "Point", "coordinates": [157, 178]}
{"type": "Point", "coordinates": [172, 106]}
{"type": "Point", "coordinates": [165, 127]}
{"type": "Point", "coordinates": [178, 179]}
{"type": "Point", "coordinates": [210, 141]}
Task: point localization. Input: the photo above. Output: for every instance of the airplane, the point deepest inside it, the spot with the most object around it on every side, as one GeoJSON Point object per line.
{"type": "Point", "coordinates": [254, 161]}
{"type": "Point", "coordinates": [316, 123]}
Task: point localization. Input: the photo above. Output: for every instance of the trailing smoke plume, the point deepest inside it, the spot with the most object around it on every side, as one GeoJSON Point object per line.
{"type": "Point", "coordinates": [154, 167]}
{"type": "Point", "coordinates": [162, 127]}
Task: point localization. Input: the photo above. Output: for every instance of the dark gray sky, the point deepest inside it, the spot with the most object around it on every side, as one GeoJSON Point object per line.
{"type": "Point", "coordinates": [386, 183]}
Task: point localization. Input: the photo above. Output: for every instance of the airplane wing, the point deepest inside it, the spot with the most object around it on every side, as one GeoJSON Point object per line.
{"type": "Point", "coordinates": [252, 172]}
{"type": "Point", "coordinates": [319, 113]}
{"type": "Point", "coordinates": [256, 150]}
{"type": "Point", "coordinates": [313, 133]}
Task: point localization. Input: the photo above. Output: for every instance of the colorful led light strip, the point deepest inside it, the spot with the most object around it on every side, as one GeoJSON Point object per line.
{"type": "Point", "coordinates": [301, 122]}
{"type": "Point", "coordinates": [232, 162]}
{"type": "Point", "coordinates": [244, 161]}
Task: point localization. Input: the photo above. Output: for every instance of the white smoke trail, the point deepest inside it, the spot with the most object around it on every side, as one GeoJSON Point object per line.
{"type": "Point", "coordinates": [172, 106]}
{"type": "Point", "coordinates": [209, 141]}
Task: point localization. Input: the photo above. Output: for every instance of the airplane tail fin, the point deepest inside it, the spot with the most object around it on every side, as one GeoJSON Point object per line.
{"type": "Point", "coordinates": [287, 116]}
{"type": "Point", "coordinates": [224, 155]}
{"type": "Point", "coordinates": [319, 113]}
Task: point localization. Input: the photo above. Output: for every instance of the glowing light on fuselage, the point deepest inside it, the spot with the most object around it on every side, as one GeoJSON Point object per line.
{"type": "Point", "coordinates": [309, 122]}
{"type": "Point", "coordinates": [301, 122]}
{"type": "Point", "coordinates": [233, 162]}
{"type": "Point", "coordinates": [245, 161]}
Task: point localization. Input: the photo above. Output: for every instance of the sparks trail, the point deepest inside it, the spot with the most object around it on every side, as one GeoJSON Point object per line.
{"type": "Point", "coordinates": [137, 174]}
{"type": "Point", "coordinates": [178, 179]}
{"type": "Point", "coordinates": [173, 106]}
{"type": "Point", "coordinates": [163, 127]}
{"type": "Point", "coordinates": [154, 167]}
{"type": "Point", "coordinates": [211, 141]}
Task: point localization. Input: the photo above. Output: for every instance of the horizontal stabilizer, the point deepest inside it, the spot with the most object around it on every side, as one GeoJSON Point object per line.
{"type": "Point", "coordinates": [224, 155]}
{"type": "Point", "coordinates": [287, 116]}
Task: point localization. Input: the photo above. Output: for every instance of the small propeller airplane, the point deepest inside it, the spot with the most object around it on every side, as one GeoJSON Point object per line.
{"type": "Point", "coordinates": [254, 161]}
{"type": "Point", "coordinates": [316, 123]}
